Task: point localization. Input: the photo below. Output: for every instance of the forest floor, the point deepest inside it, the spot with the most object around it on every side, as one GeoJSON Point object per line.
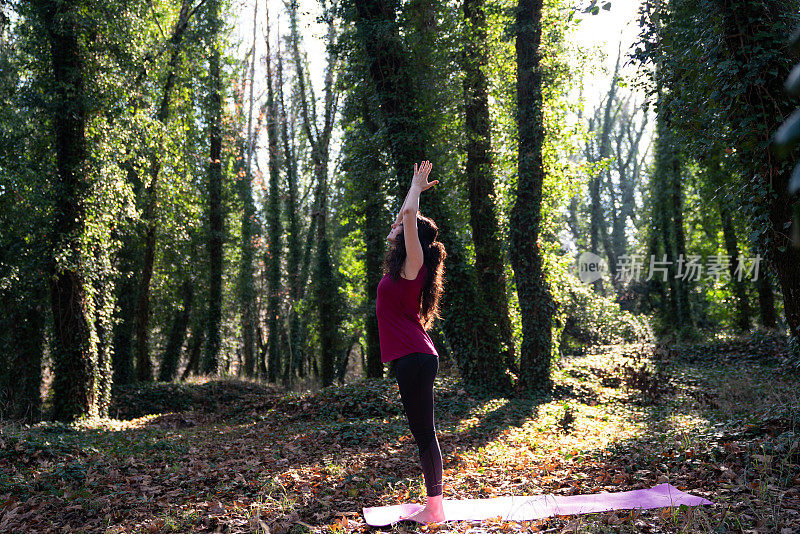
{"type": "Point", "coordinates": [720, 420]}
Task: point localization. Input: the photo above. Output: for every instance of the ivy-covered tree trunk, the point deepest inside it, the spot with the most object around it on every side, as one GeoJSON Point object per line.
{"type": "Point", "coordinates": [374, 237]}
{"type": "Point", "coordinates": [177, 334]}
{"type": "Point", "coordinates": [659, 187]}
{"type": "Point", "coordinates": [247, 288]}
{"type": "Point", "coordinates": [324, 283]}
{"type": "Point", "coordinates": [766, 299]}
{"type": "Point", "coordinates": [668, 203]}
{"type": "Point", "coordinates": [195, 348]}
{"type": "Point", "coordinates": [654, 250]}
{"type": "Point", "coordinates": [679, 234]}
{"type": "Point", "coordinates": [74, 352]}
{"type": "Point", "coordinates": [489, 255]}
{"type": "Point", "coordinates": [294, 252]}
{"type": "Point", "coordinates": [244, 180]}
{"type": "Point", "coordinates": [144, 364]}
{"type": "Point", "coordinates": [273, 209]}
{"type": "Point", "coordinates": [215, 232]}
{"type": "Point", "coordinates": [103, 307]}
{"type": "Point", "coordinates": [474, 342]}
{"type": "Point", "coordinates": [305, 270]}
{"type": "Point", "coordinates": [595, 220]}
{"type": "Point", "coordinates": [125, 321]}
{"type": "Point", "coordinates": [535, 301]}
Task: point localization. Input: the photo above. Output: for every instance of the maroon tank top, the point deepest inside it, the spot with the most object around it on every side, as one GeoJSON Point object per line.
{"type": "Point", "coordinates": [399, 326]}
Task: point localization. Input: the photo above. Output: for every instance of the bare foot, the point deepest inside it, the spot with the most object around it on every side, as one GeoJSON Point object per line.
{"type": "Point", "coordinates": [425, 516]}
{"type": "Point", "coordinates": [432, 513]}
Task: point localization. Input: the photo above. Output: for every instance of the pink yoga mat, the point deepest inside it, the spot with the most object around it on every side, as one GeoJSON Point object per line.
{"type": "Point", "coordinates": [524, 508]}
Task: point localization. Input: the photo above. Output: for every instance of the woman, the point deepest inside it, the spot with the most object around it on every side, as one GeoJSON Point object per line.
{"type": "Point", "coordinates": [407, 302]}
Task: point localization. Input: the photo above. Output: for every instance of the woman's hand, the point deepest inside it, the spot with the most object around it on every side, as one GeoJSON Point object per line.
{"type": "Point", "coordinates": [421, 176]}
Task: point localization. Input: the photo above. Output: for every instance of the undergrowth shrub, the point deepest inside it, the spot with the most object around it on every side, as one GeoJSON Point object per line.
{"type": "Point", "coordinates": [593, 319]}
{"type": "Point", "coordinates": [367, 398]}
{"type": "Point", "coordinates": [219, 395]}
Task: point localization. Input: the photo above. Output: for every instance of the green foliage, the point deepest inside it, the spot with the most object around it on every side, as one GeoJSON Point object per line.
{"type": "Point", "coordinates": [723, 63]}
{"type": "Point", "coordinates": [125, 64]}
{"type": "Point", "coordinates": [562, 63]}
{"type": "Point", "coordinates": [25, 209]}
{"type": "Point", "coordinates": [788, 135]}
{"type": "Point", "coordinates": [708, 80]}
{"type": "Point", "coordinates": [594, 319]}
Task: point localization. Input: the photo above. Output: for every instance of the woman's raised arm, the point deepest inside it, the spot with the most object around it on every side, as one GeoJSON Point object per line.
{"type": "Point", "coordinates": [419, 183]}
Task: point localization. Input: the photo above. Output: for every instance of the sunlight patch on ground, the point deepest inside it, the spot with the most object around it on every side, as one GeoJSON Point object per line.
{"type": "Point", "coordinates": [529, 455]}
{"type": "Point", "coordinates": [103, 423]}
{"type": "Point", "coordinates": [477, 414]}
{"type": "Point", "coordinates": [685, 422]}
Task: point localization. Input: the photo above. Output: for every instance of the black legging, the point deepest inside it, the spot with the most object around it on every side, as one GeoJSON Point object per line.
{"type": "Point", "coordinates": [415, 374]}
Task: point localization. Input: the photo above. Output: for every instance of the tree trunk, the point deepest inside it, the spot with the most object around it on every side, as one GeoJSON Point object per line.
{"type": "Point", "coordinates": [144, 365]}
{"type": "Point", "coordinates": [325, 285]}
{"type": "Point", "coordinates": [669, 206]}
{"type": "Point", "coordinates": [273, 259]}
{"type": "Point", "coordinates": [247, 290]}
{"type": "Point", "coordinates": [595, 220]}
{"type": "Point", "coordinates": [670, 304]}
{"type": "Point", "coordinates": [294, 250]}
{"type": "Point", "coordinates": [676, 205]}
{"type": "Point", "coordinates": [172, 352]}
{"type": "Point", "coordinates": [739, 286]}
{"type": "Point", "coordinates": [766, 300]}
{"type": "Point", "coordinates": [305, 269]}
{"type": "Point", "coordinates": [535, 301]}
{"type": "Point", "coordinates": [122, 356]}
{"type": "Point", "coordinates": [489, 256]}
{"type": "Point", "coordinates": [374, 238]}
{"type": "Point", "coordinates": [213, 340]}
{"type": "Point", "coordinates": [103, 311]}
{"type": "Point", "coordinates": [74, 353]}
{"type": "Point", "coordinates": [194, 350]}
{"type": "Point", "coordinates": [655, 284]}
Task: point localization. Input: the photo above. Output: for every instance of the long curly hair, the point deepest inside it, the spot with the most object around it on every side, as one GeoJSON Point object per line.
{"type": "Point", "coordinates": [434, 254]}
